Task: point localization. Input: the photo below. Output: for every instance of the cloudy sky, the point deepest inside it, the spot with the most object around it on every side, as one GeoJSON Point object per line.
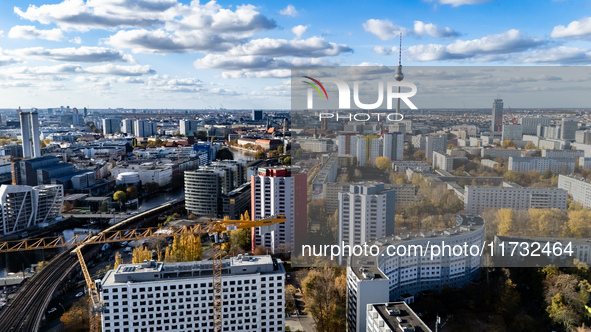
{"type": "Point", "coordinates": [182, 54]}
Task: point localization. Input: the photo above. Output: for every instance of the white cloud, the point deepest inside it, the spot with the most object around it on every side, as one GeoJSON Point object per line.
{"type": "Point", "coordinates": [111, 69]}
{"type": "Point", "coordinates": [456, 3]}
{"type": "Point", "coordinates": [290, 10]}
{"type": "Point", "coordinates": [575, 29]}
{"type": "Point", "coordinates": [30, 32]}
{"type": "Point", "coordinates": [166, 84]}
{"type": "Point", "coordinates": [385, 50]}
{"type": "Point", "coordinates": [488, 48]}
{"type": "Point", "coordinates": [558, 55]}
{"type": "Point", "coordinates": [299, 30]}
{"type": "Point", "coordinates": [1, 33]}
{"type": "Point", "coordinates": [76, 40]}
{"type": "Point", "coordinates": [430, 29]}
{"type": "Point", "coordinates": [311, 47]}
{"type": "Point", "coordinates": [93, 14]}
{"type": "Point", "coordinates": [384, 29]}
{"type": "Point", "coordinates": [250, 62]}
{"type": "Point", "coordinates": [160, 41]}
{"type": "Point", "coordinates": [81, 54]}
{"type": "Point", "coordinates": [273, 73]}
{"type": "Point", "coordinates": [67, 68]}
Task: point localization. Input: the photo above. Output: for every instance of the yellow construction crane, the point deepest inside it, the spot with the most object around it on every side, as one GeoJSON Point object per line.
{"type": "Point", "coordinates": [217, 231]}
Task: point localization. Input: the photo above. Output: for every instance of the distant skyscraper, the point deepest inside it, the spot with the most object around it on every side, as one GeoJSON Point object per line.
{"type": "Point", "coordinates": [257, 115]}
{"type": "Point", "coordinates": [144, 128]}
{"type": "Point", "coordinates": [497, 116]}
{"type": "Point", "coordinates": [127, 127]}
{"type": "Point", "coordinates": [111, 126]}
{"type": "Point", "coordinates": [30, 133]}
{"type": "Point", "coordinates": [393, 146]}
{"type": "Point", "coordinates": [187, 127]}
{"type": "Point", "coordinates": [569, 128]}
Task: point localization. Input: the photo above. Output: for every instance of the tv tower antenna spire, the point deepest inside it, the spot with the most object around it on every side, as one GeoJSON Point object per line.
{"type": "Point", "coordinates": [400, 51]}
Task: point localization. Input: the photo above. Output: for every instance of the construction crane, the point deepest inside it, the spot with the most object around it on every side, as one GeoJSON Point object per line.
{"type": "Point", "coordinates": [217, 231]}
{"type": "Point", "coordinates": [513, 118]}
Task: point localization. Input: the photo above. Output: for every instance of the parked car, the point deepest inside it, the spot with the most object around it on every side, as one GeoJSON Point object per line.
{"type": "Point", "coordinates": [52, 310]}
{"type": "Point", "coordinates": [79, 294]}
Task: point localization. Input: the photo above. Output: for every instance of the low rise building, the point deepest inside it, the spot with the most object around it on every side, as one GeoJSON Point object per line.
{"type": "Point", "coordinates": [511, 196]}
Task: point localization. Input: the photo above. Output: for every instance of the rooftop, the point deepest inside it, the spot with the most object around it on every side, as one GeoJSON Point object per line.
{"type": "Point", "coordinates": [400, 317]}
{"type": "Point", "coordinates": [157, 271]}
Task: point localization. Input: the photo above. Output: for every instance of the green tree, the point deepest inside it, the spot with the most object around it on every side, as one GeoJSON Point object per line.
{"type": "Point", "coordinates": [287, 161]}
{"type": "Point", "coordinates": [280, 149]}
{"type": "Point", "coordinates": [530, 146]}
{"type": "Point", "coordinates": [120, 196]}
{"type": "Point", "coordinates": [383, 163]}
{"type": "Point", "coordinates": [151, 187]}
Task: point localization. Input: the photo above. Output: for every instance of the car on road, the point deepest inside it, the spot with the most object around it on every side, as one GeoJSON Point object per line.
{"type": "Point", "coordinates": [52, 310]}
{"type": "Point", "coordinates": [79, 294]}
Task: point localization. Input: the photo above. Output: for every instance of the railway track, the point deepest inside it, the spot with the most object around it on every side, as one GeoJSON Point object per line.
{"type": "Point", "coordinates": [25, 312]}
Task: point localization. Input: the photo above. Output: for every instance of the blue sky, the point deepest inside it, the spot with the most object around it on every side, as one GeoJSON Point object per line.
{"type": "Point", "coordinates": [181, 54]}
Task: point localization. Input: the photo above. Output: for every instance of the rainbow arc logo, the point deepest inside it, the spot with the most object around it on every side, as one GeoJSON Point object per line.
{"type": "Point", "coordinates": [316, 87]}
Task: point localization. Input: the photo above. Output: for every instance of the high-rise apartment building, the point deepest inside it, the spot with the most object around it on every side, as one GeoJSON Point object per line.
{"type": "Point", "coordinates": [155, 296]}
{"type": "Point", "coordinates": [393, 316]}
{"type": "Point", "coordinates": [127, 126]}
{"type": "Point", "coordinates": [278, 190]}
{"type": "Point", "coordinates": [530, 125]}
{"type": "Point", "coordinates": [497, 116]}
{"type": "Point", "coordinates": [347, 144]}
{"type": "Point", "coordinates": [187, 127]}
{"type": "Point", "coordinates": [30, 133]}
{"type": "Point", "coordinates": [569, 128]}
{"type": "Point", "coordinates": [368, 149]}
{"type": "Point", "coordinates": [393, 145]}
{"type": "Point", "coordinates": [23, 207]}
{"type": "Point", "coordinates": [111, 126]}
{"type": "Point", "coordinates": [435, 142]}
{"type": "Point", "coordinates": [257, 115]}
{"type": "Point", "coordinates": [366, 213]}
{"type": "Point", "coordinates": [144, 128]}
{"type": "Point", "coordinates": [511, 132]}
{"type": "Point", "coordinates": [206, 187]}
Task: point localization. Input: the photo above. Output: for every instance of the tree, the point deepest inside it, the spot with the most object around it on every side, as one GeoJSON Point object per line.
{"type": "Point", "coordinates": [273, 154]}
{"type": "Point", "coordinates": [77, 314]}
{"type": "Point", "coordinates": [419, 155]}
{"type": "Point", "coordinates": [290, 292]}
{"type": "Point", "coordinates": [287, 161]}
{"type": "Point", "coordinates": [120, 196]}
{"type": "Point", "coordinates": [140, 255]}
{"type": "Point", "coordinates": [234, 142]}
{"type": "Point", "coordinates": [260, 155]}
{"type": "Point", "coordinates": [280, 149]}
{"type": "Point", "coordinates": [530, 146]}
{"type": "Point", "coordinates": [104, 207]}
{"type": "Point", "coordinates": [151, 187]}
{"type": "Point", "coordinates": [224, 154]}
{"type": "Point", "coordinates": [383, 163]}
{"type": "Point", "coordinates": [325, 291]}
{"type": "Point", "coordinates": [131, 192]}
{"type": "Point", "coordinates": [40, 266]}
{"type": "Point", "coordinates": [507, 144]}
{"type": "Point", "coordinates": [118, 260]}
{"type": "Point", "coordinates": [191, 216]}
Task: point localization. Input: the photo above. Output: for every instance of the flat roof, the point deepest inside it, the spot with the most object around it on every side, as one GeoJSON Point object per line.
{"type": "Point", "coordinates": [393, 311]}
{"type": "Point", "coordinates": [157, 271]}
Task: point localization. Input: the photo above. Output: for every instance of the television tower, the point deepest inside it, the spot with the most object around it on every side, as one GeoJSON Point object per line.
{"type": "Point", "coordinates": [399, 75]}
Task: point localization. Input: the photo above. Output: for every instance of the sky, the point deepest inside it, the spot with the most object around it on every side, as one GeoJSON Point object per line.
{"type": "Point", "coordinates": [238, 55]}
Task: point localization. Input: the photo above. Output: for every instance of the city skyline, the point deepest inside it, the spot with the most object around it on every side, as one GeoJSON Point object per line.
{"type": "Point", "coordinates": [176, 54]}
